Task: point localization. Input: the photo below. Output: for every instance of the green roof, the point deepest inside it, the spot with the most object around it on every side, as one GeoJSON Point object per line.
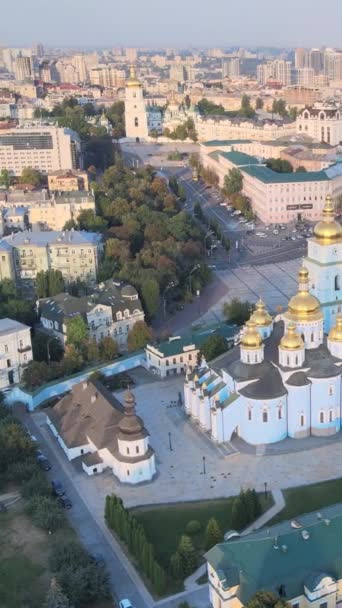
{"type": "Point", "coordinates": [240, 158]}
{"type": "Point", "coordinates": [259, 565]}
{"type": "Point", "coordinates": [266, 175]}
{"type": "Point", "coordinates": [226, 142]}
{"type": "Point", "coordinates": [175, 345]}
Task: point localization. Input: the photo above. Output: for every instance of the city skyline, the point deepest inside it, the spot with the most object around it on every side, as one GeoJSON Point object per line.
{"type": "Point", "coordinates": [139, 24]}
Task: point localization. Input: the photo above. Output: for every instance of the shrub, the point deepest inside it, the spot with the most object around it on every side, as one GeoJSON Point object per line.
{"type": "Point", "coordinates": [193, 527]}
{"type": "Point", "coordinates": [84, 584]}
{"type": "Point", "coordinates": [22, 471]}
{"type": "Point", "coordinates": [45, 513]}
{"type": "Point", "coordinates": [67, 552]}
{"type": "Point", "coordinates": [37, 485]}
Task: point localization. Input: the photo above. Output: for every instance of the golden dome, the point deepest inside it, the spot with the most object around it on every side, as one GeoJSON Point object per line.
{"type": "Point", "coordinates": [260, 316]}
{"type": "Point", "coordinates": [328, 230]}
{"type": "Point", "coordinates": [251, 337]}
{"type": "Point", "coordinates": [132, 81]}
{"type": "Point", "coordinates": [291, 340]}
{"type": "Point", "coordinates": [303, 305]}
{"type": "Point", "coordinates": [335, 334]}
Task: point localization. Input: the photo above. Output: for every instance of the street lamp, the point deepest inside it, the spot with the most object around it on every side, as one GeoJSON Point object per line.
{"type": "Point", "coordinates": [204, 469]}
{"type": "Point", "coordinates": [170, 443]}
{"type": "Point", "coordinates": [208, 233]}
{"type": "Point", "coordinates": [169, 286]}
{"type": "Point", "coordinates": [190, 273]}
{"type": "Point", "coordinates": [265, 484]}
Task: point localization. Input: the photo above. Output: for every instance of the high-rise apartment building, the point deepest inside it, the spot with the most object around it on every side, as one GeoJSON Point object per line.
{"type": "Point", "coordinates": [107, 76]}
{"type": "Point", "coordinates": [131, 55]}
{"type": "Point", "coordinates": [305, 77]}
{"type": "Point", "coordinates": [231, 67]}
{"type": "Point", "coordinates": [44, 148]}
{"type": "Point", "coordinates": [23, 68]}
{"type": "Point", "coordinates": [279, 70]}
{"type": "Point", "coordinates": [301, 58]}
{"type": "Point", "coordinates": [316, 60]}
{"type": "Point", "coordinates": [333, 64]}
{"type": "Point", "coordinates": [38, 50]}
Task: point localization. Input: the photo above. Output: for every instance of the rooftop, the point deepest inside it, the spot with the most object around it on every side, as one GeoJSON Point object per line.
{"type": "Point", "coordinates": [176, 345]}
{"type": "Point", "coordinates": [280, 556]}
{"type": "Point", "coordinates": [240, 158]}
{"type": "Point", "coordinates": [51, 237]}
{"type": "Point", "coordinates": [9, 326]}
{"type": "Point", "coordinates": [268, 176]}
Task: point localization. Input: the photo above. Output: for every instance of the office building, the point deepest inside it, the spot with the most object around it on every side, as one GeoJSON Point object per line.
{"type": "Point", "coordinates": [278, 70]}
{"type": "Point", "coordinates": [231, 68]}
{"type": "Point", "coordinates": [44, 148]}
{"type": "Point", "coordinates": [68, 181]}
{"type": "Point", "coordinates": [23, 68]}
{"type": "Point", "coordinates": [301, 58]}
{"type": "Point", "coordinates": [63, 207]}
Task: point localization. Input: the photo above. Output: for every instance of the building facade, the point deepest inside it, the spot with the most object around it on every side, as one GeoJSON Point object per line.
{"type": "Point", "coordinates": [44, 148]}
{"type": "Point", "coordinates": [322, 122]}
{"type": "Point", "coordinates": [91, 424]}
{"type": "Point", "coordinates": [111, 310]}
{"type": "Point", "coordinates": [24, 254]}
{"type": "Point", "coordinates": [62, 207]}
{"type": "Point", "coordinates": [15, 351]}
{"type": "Point", "coordinates": [140, 116]}
{"type": "Point", "coordinates": [68, 181]}
{"type": "Point", "coordinates": [284, 379]}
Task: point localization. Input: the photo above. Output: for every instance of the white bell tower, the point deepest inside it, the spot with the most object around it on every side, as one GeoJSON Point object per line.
{"type": "Point", "coordinates": [135, 109]}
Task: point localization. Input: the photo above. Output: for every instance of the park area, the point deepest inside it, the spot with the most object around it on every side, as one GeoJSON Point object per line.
{"type": "Point", "coordinates": [24, 561]}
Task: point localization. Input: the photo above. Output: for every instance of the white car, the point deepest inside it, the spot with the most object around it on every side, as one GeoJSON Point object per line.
{"type": "Point", "coordinates": [243, 221]}
{"type": "Point", "coordinates": [237, 212]}
{"type": "Point", "coordinates": [261, 234]}
{"type": "Point", "coordinates": [125, 603]}
{"type": "Point", "coordinates": [275, 231]}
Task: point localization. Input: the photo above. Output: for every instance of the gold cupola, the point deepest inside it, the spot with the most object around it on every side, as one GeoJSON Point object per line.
{"type": "Point", "coordinates": [260, 316]}
{"type": "Point", "coordinates": [328, 230]}
{"type": "Point", "coordinates": [251, 338]}
{"type": "Point", "coordinates": [291, 340]}
{"type": "Point", "coordinates": [132, 81]}
{"type": "Point", "coordinates": [335, 334]}
{"type": "Point", "coordinates": [303, 306]}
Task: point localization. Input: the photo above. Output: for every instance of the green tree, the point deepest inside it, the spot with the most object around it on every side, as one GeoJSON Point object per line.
{"type": "Point", "coordinates": [239, 516]}
{"type": "Point", "coordinates": [279, 107]}
{"type": "Point", "coordinates": [45, 513]}
{"type": "Point", "coordinates": [188, 555]}
{"type": "Point", "coordinates": [84, 584]}
{"type": "Point", "coordinates": [76, 330]}
{"type": "Point", "coordinates": [138, 336]}
{"type": "Point", "coordinates": [15, 444]}
{"type": "Point", "coordinates": [88, 220]}
{"type": "Point", "coordinates": [108, 348]}
{"type": "Point", "coordinates": [246, 110]}
{"type": "Point", "coordinates": [151, 297]}
{"type": "Point", "coordinates": [259, 103]}
{"type": "Point", "coordinates": [31, 176]}
{"type": "Point", "coordinates": [55, 598]}
{"type": "Point", "coordinates": [213, 534]}
{"type": "Point", "coordinates": [212, 347]}
{"type": "Point", "coordinates": [267, 599]}
{"type": "Point", "coordinates": [67, 552]}
{"type": "Point", "coordinates": [49, 283]}
{"type": "Point", "coordinates": [158, 578]}
{"type": "Point", "coordinates": [91, 351]}
{"type": "Point", "coordinates": [279, 165]}
{"type": "Point", "coordinates": [293, 112]}
{"type": "Point", "coordinates": [233, 182]}
{"type": "Point", "coordinates": [237, 312]}
{"type": "Point", "coordinates": [73, 360]}
{"type": "Point", "coordinates": [301, 169]}
{"type": "Point", "coordinates": [176, 567]}
{"type": "Point", "coordinates": [36, 486]}
{"type": "Point", "coordinates": [41, 342]}
{"type": "Point", "coordinates": [5, 178]}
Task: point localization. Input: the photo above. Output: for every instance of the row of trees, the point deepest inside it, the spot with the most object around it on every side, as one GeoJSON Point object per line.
{"type": "Point", "coordinates": [185, 559]}
{"type": "Point", "coordinates": [213, 225]}
{"type": "Point", "coordinates": [246, 508]}
{"type": "Point", "coordinates": [208, 108]}
{"type": "Point", "coordinates": [132, 534]}
{"type": "Point", "coordinates": [186, 130]}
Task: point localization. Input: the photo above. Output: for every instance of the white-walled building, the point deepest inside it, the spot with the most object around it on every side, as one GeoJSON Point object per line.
{"type": "Point", "coordinates": [91, 424]}
{"type": "Point", "coordinates": [298, 561]}
{"type": "Point", "coordinates": [140, 116]}
{"type": "Point", "coordinates": [284, 380]}
{"type": "Point", "coordinates": [111, 310]}
{"type": "Point", "coordinates": [44, 148]}
{"type": "Point", "coordinates": [15, 351]}
{"type": "Point", "coordinates": [322, 122]}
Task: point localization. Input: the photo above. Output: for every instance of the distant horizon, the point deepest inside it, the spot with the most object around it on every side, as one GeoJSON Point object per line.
{"type": "Point", "coordinates": [218, 24]}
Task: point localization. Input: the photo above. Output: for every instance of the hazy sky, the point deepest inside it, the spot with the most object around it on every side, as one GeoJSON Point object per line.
{"type": "Point", "coordinates": [171, 22]}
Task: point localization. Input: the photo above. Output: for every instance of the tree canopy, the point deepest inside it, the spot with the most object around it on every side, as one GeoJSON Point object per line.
{"type": "Point", "coordinates": [279, 165]}
{"type": "Point", "coordinates": [212, 347]}
{"type": "Point", "coordinates": [237, 312]}
{"type": "Point", "coordinates": [233, 182]}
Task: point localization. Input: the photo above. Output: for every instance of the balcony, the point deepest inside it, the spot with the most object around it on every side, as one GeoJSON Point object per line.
{"type": "Point", "coordinates": [24, 349]}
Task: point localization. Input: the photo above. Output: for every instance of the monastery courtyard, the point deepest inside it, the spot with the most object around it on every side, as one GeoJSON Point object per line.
{"type": "Point", "coordinates": [180, 470]}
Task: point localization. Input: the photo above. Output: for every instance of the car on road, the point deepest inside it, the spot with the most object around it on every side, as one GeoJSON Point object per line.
{"type": "Point", "coordinates": [282, 227]}
{"type": "Point", "coordinates": [43, 462]}
{"type": "Point", "coordinates": [261, 234]}
{"type": "Point", "coordinates": [57, 487]}
{"type": "Point", "coordinates": [237, 212]}
{"type": "Point", "coordinates": [293, 238]}
{"type": "Point", "coordinates": [125, 603]}
{"type": "Point", "coordinates": [33, 437]}
{"type": "Point", "coordinates": [97, 558]}
{"type": "Point", "coordinates": [64, 502]}
{"type": "Point", "coordinates": [275, 231]}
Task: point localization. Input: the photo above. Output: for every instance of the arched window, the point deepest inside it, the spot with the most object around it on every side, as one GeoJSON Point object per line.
{"type": "Point", "coordinates": [249, 414]}
{"type": "Point", "coordinates": [265, 416]}
{"type": "Point", "coordinates": [331, 415]}
{"type": "Point", "coordinates": [280, 412]}
{"type": "Point", "coordinates": [296, 359]}
{"type": "Point", "coordinates": [302, 420]}
{"type": "Point", "coordinates": [331, 389]}
{"type": "Point", "coordinates": [256, 358]}
{"type": "Point", "coordinates": [312, 337]}
{"type": "Point", "coordinates": [288, 360]}
{"type": "Point", "coordinates": [321, 417]}
{"type": "Point", "coordinates": [136, 122]}
{"type": "Point", "coordinates": [322, 116]}
{"type": "Point", "coordinates": [248, 361]}
{"type": "Point", "coordinates": [337, 283]}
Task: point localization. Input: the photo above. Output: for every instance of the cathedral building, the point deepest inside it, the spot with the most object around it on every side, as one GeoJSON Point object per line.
{"type": "Point", "coordinates": [284, 378]}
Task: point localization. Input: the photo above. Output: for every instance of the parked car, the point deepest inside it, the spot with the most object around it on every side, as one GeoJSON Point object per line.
{"type": "Point", "coordinates": [275, 231]}
{"type": "Point", "coordinates": [261, 234]}
{"type": "Point", "coordinates": [44, 462]}
{"type": "Point", "coordinates": [97, 558]}
{"type": "Point", "coordinates": [57, 487]}
{"type": "Point", "coordinates": [125, 603]}
{"type": "Point", "coordinates": [64, 502]}
{"type": "Point", "coordinates": [33, 437]}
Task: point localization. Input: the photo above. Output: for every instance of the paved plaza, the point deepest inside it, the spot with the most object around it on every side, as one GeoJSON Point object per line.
{"type": "Point", "coordinates": [274, 283]}
{"type": "Point", "coordinates": [180, 470]}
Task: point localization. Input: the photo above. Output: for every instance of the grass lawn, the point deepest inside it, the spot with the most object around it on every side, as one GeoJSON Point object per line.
{"type": "Point", "coordinates": [24, 562]}
{"type": "Point", "coordinates": [165, 524]}
{"type": "Point", "coordinates": [309, 498]}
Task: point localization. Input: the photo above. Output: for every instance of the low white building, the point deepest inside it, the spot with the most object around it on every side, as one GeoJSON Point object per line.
{"type": "Point", "coordinates": [111, 310]}
{"type": "Point", "coordinates": [91, 424]}
{"type": "Point", "coordinates": [322, 121]}
{"type": "Point", "coordinates": [15, 351]}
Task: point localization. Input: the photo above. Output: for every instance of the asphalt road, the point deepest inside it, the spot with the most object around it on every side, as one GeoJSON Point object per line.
{"type": "Point", "coordinates": [95, 538]}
